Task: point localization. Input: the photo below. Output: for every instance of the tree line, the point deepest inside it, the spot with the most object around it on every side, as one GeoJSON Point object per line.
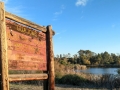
{"type": "Point", "coordinates": [87, 57]}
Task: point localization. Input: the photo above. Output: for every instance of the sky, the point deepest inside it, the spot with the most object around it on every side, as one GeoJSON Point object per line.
{"type": "Point", "coordinates": [79, 24]}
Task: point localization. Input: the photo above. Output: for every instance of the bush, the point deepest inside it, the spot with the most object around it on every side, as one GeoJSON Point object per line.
{"type": "Point", "coordinates": [72, 80]}
{"type": "Point", "coordinates": [58, 76]}
{"type": "Point", "coordinates": [118, 71]}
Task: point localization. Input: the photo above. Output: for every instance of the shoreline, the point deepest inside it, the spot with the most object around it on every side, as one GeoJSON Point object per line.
{"type": "Point", "coordinates": [104, 66]}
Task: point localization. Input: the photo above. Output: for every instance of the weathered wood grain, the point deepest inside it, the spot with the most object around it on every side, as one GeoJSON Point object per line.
{"type": "Point", "coordinates": [24, 51]}
{"type": "Point", "coordinates": [24, 21]}
{"type": "Point", "coordinates": [3, 51]}
{"type": "Point", "coordinates": [26, 77]}
{"type": "Point", "coordinates": [15, 44]}
{"type": "Point", "coordinates": [50, 57]}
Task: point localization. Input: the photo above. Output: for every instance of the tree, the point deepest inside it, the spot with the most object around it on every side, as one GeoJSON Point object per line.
{"type": "Point", "coordinates": [85, 56]}
{"type": "Point", "coordinates": [96, 59]}
{"type": "Point", "coordinates": [106, 57]}
{"type": "Point", "coordinates": [69, 55]}
{"type": "Point", "coordinates": [60, 56]}
{"type": "Point", "coordinates": [75, 58]}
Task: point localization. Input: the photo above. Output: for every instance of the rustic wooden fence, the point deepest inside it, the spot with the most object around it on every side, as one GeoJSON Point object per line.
{"type": "Point", "coordinates": [25, 45]}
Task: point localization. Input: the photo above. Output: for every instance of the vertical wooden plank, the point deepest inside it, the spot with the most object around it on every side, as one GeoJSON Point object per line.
{"type": "Point", "coordinates": [3, 51]}
{"type": "Point", "coordinates": [45, 82]}
{"type": "Point", "coordinates": [45, 85]}
{"type": "Point", "coordinates": [50, 58]}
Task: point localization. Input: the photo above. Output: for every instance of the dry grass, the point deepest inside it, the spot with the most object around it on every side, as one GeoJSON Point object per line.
{"type": "Point", "coordinates": [25, 87]}
{"type": "Point", "coordinates": [57, 87]}
{"type": "Point", "coordinates": [96, 82]}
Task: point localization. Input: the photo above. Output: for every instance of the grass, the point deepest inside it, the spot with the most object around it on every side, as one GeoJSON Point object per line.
{"type": "Point", "coordinates": [91, 81]}
{"type": "Point", "coordinates": [25, 87]}
{"type": "Point", "coordinates": [68, 79]}
{"type": "Point", "coordinates": [57, 87]}
{"type": "Point", "coordinates": [74, 82]}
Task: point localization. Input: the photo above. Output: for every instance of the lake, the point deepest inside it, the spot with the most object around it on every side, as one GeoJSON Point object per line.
{"type": "Point", "coordinates": [99, 71]}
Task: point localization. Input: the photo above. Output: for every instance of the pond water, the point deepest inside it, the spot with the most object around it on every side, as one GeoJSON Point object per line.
{"type": "Point", "coordinates": [100, 71]}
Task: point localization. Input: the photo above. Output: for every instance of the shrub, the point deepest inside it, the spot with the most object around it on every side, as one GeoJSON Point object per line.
{"type": "Point", "coordinates": [118, 71]}
{"type": "Point", "coordinates": [58, 76]}
{"type": "Point", "coordinates": [72, 79]}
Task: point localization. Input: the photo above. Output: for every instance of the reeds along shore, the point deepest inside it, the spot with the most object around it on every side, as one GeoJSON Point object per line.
{"type": "Point", "coordinates": [66, 74]}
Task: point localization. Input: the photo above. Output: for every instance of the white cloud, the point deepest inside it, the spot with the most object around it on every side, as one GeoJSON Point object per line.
{"type": "Point", "coordinates": [5, 1]}
{"type": "Point", "coordinates": [61, 32]}
{"type": "Point", "coordinates": [13, 9]}
{"type": "Point", "coordinates": [60, 37]}
{"type": "Point", "coordinates": [81, 2]}
{"type": "Point", "coordinates": [17, 10]}
{"type": "Point", "coordinates": [62, 7]}
{"type": "Point", "coordinates": [113, 25]}
{"type": "Point", "coordinates": [81, 17]}
{"type": "Point", "coordinates": [56, 14]}
{"type": "Point", "coordinates": [57, 33]}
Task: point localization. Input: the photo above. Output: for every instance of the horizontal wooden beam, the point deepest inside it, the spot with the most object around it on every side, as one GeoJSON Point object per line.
{"type": "Point", "coordinates": [24, 21]}
{"type": "Point", "coordinates": [26, 77]}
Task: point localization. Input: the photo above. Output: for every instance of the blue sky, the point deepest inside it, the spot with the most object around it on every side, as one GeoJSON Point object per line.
{"type": "Point", "coordinates": [79, 24]}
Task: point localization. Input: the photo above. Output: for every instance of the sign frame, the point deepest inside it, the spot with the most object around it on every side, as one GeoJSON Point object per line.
{"type": "Point", "coordinates": [48, 76]}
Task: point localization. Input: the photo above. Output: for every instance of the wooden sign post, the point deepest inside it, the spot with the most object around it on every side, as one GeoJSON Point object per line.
{"type": "Point", "coordinates": [50, 58]}
{"type": "Point", "coordinates": [25, 45]}
{"type": "Point", "coordinates": [3, 51]}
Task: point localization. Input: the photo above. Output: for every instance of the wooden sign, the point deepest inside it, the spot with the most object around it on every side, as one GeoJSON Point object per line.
{"type": "Point", "coordinates": [26, 47]}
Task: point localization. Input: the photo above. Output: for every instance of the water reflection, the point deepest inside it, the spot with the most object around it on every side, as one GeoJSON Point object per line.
{"type": "Point", "coordinates": [100, 71]}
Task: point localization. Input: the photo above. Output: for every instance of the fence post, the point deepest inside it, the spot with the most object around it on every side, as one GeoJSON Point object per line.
{"type": "Point", "coordinates": [4, 80]}
{"type": "Point", "coordinates": [50, 59]}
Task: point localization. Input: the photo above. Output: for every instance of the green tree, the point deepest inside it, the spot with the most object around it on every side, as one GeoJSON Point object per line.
{"type": "Point", "coordinates": [105, 57]}
{"type": "Point", "coordinates": [85, 56]}
{"type": "Point", "coordinates": [75, 58]}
